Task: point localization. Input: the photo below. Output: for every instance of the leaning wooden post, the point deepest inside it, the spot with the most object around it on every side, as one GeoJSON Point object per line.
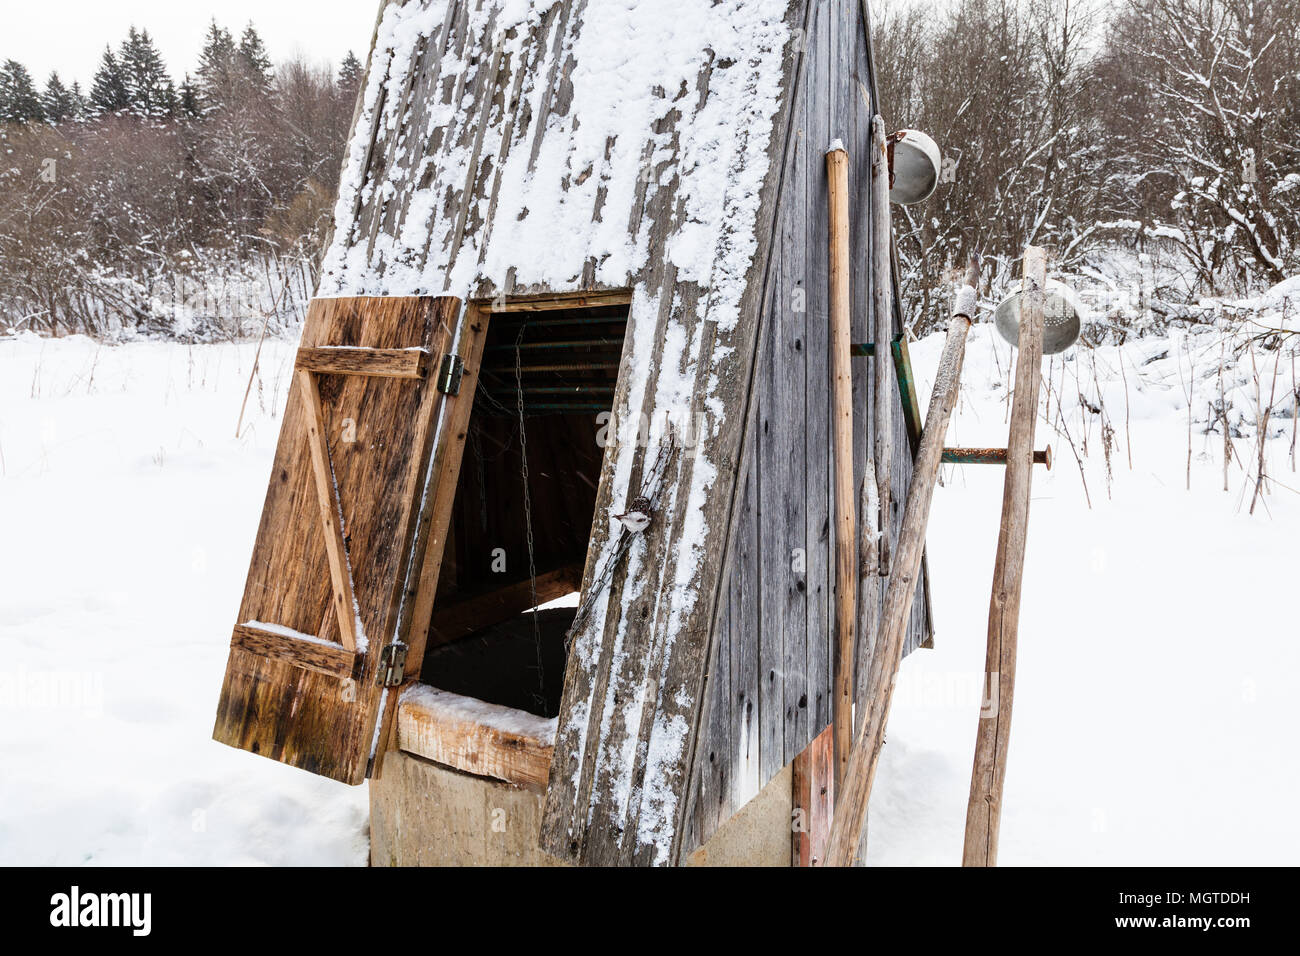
{"type": "Point", "coordinates": [984, 811]}
{"type": "Point", "coordinates": [841, 344]}
{"type": "Point", "coordinates": [869, 585]}
{"type": "Point", "coordinates": [853, 796]}
{"type": "Point", "coordinates": [882, 278]}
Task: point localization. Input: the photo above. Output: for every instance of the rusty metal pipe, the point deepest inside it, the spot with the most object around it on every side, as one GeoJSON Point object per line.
{"type": "Point", "coordinates": [990, 456]}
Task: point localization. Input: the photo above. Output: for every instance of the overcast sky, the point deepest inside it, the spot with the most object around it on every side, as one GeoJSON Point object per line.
{"type": "Point", "coordinates": [69, 35]}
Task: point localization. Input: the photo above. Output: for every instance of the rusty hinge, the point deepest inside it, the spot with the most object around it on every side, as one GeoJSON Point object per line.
{"type": "Point", "coordinates": [392, 665]}
{"type": "Point", "coordinates": [449, 374]}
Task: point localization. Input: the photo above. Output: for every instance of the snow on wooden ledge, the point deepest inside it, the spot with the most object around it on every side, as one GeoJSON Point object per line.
{"type": "Point", "coordinates": [475, 736]}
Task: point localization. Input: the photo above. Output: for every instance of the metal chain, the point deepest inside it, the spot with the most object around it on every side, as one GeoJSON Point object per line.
{"type": "Point", "coordinates": [528, 515]}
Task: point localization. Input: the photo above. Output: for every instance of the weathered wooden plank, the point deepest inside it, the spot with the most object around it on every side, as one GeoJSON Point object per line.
{"type": "Point", "coordinates": [308, 719]}
{"type": "Point", "coordinates": [477, 737]}
{"type": "Point", "coordinates": [882, 311]}
{"type": "Point", "coordinates": [646, 669]}
{"type": "Point", "coordinates": [591, 684]}
{"type": "Point", "coordinates": [463, 618]}
{"type": "Point", "coordinates": [711, 795]}
{"type": "Point", "coordinates": [355, 125]}
{"type": "Point", "coordinates": [856, 106]}
{"type": "Point", "coordinates": [380, 363]}
{"type": "Point", "coordinates": [745, 716]}
{"type": "Point", "coordinates": [778, 579]}
{"type": "Point", "coordinates": [489, 92]}
{"type": "Point", "coordinates": [329, 510]}
{"type": "Point", "coordinates": [814, 799]}
{"type": "Point", "coordinates": [449, 450]}
{"type": "Point", "coordinates": [574, 300]}
{"type": "Point", "coordinates": [634, 816]}
{"type": "Point", "coordinates": [810, 245]}
{"type": "Point", "coordinates": [302, 651]}
{"type": "Point", "coordinates": [921, 627]}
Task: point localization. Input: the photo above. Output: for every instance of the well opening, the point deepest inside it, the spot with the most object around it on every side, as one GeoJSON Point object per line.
{"type": "Point", "coordinates": [528, 484]}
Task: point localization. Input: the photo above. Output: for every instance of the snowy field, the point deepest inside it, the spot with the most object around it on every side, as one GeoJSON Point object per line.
{"type": "Point", "coordinates": [1159, 681]}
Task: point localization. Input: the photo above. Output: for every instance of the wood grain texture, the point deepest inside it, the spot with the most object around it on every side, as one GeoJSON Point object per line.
{"type": "Point", "coordinates": [814, 799]}
{"type": "Point", "coordinates": [780, 682]}
{"type": "Point", "coordinates": [882, 238]}
{"type": "Point", "coordinates": [841, 367]}
{"type": "Point", "coordinates": [328, 509]}
{"type": "Point", "coordinates": [993, 736]}
{"type": "Point", "coordinates": [618, 791]}
{"type": "Point", "coordinates": [381, 363]}
{"type": "Point", "coordinates": [479, 738]}
{"type": "Point", "coordinates": [330, 659]}
{"type": "Point", "coordinates": [320, 722]}
{"type": "Point", "coordinates": [442, 425]}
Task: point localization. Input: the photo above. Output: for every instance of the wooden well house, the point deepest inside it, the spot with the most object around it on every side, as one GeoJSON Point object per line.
{"type": "Point", "coordinates": [579, 275]}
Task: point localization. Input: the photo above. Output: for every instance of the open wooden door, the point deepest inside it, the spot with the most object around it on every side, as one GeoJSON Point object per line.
{"type": "Point", "coordinates": [340, 588]}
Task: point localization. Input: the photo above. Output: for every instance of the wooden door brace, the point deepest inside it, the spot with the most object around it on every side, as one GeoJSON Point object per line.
{"type": "Point", "coordinates": [336, 360]}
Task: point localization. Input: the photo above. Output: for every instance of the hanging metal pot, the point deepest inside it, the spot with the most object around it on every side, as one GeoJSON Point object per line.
{"type": "Point", "coordinates": [1062, 318]}
{"type": "Point", "coordinates": [916, 165]}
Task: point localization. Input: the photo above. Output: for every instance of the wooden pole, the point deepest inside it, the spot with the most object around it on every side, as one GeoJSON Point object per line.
{"type": "Point", "coordinates": [841, 343]}
{"type": "Point", "coordinates": [882, 278]}
{"type": "Point", "coordinates": [854, 794]}
{"type": "Point", "coordinates": [984, 811]}
{"type": "Point", "coordinates": [869, 585]}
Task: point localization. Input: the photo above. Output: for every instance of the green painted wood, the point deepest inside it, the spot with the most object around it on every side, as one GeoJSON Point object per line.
{"type": "Point", "coordinates": [907, 390]}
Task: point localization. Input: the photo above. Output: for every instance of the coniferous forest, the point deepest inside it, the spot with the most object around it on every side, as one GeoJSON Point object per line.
{"type": "Point", "coordinates": [191, 204]}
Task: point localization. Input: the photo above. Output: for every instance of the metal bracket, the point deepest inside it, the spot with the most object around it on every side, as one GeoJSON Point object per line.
{"type": "Point", "coordinates": [392, 665]}
{"type": "Point", "coordinates": [449, 374]}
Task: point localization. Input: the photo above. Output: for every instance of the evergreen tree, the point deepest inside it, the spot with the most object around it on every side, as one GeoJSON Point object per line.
{"type": "Point", "coordinates": [187, 103]}
{"type": "Point", "coordinates": [108, 93]}
{"type": "Point", "coordinates": [254, 59]}
{"type": "Point", "coordinates": [19, 101]}
{"type": "Point", "coordinates": [216, 73]}
{"type": "Point", "coordinates": [150, 91]}
{"type": "Point", "coordinates": [80, 107]}
{"type": "Point", "coordinates": [350, 76]}
{"type": "Point", "coordinates": [59, 102]}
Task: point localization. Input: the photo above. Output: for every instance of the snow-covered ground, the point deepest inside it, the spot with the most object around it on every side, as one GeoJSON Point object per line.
{"type": "Point", "coordinates": [1159, 681]}
{"type": "Point", "coordinates": [127, 516]}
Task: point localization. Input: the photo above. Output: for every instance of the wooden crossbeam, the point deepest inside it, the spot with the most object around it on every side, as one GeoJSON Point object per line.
{"type": "Point", "coordinates": [550, 302]}
{"type": "Point", "coordinates": [330, 510]}
{"type": "Point", "coordinates": [378, 363]}
{"type": "Point", "coordinates": [463, 618]}
{"type": "Point", "coordinates": [305, 652]}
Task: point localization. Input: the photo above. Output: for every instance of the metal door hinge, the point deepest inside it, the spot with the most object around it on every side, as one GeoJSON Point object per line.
{"type": "Point", "coordinates": [449, 374]}
{"type": "Point", "coordinates": [392, 665]}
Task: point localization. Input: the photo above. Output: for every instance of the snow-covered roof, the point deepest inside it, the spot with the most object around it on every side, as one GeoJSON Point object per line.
{"type": "Point", "coordinates": [533, 145]}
